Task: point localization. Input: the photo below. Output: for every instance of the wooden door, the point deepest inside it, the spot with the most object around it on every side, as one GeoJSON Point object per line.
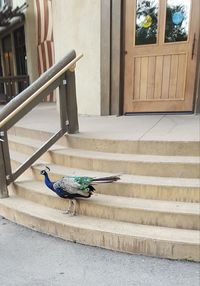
{"type": "Point", "coordinates": [161, 54]}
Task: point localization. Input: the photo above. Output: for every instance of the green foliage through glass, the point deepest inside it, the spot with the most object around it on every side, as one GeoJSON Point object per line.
{"type": "Point", "coordinates": [146, 22]}
{"type": "Point", "coordinates": [177, 16]}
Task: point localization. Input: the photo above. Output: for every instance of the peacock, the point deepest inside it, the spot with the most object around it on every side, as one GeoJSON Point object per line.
{"type": "Point", "coordinates": [73, 187]}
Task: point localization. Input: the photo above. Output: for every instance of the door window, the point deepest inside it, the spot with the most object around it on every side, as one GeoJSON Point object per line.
{"type": "Point", "coordinates": [177, 20]}
{"type": "Point", "coordinates": [146, 22]}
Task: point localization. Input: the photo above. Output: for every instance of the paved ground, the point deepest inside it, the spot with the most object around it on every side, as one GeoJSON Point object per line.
{"type": "Point", "coordinates": [28, 258]}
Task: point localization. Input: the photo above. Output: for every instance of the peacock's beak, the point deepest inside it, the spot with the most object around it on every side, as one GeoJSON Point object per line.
{"type": "Point", "coordinates": [47, 169]}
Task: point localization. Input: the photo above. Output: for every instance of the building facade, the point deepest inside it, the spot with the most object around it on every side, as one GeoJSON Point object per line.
{"type": "Point", "coordinates": [139, 56]}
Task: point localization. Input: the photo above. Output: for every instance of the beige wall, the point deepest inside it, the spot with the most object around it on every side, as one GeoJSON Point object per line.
{"type": "Point", "coordinates": [18, 3]}
{"type": "Point", "coordinates": [76, 25]}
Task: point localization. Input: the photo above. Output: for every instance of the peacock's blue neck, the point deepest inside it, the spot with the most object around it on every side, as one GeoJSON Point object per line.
{"type": "Point", "coordinates": [48, 183]}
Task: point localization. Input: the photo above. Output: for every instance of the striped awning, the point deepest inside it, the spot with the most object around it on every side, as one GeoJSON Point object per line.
{"type": "Point", "coordinates": [45, 44]}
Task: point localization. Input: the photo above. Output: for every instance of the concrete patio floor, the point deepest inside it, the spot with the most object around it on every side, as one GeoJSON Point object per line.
{"type": "Point", "coordinates": [160, 127]}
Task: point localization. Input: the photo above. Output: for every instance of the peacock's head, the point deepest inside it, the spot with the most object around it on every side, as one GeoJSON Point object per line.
{"type": "Point", "coordinates": [45, 171]}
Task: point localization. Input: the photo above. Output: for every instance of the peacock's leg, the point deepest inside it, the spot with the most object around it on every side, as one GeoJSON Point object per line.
{"type": "Point", "coordinates": [68, 211]}
{"type": "Point", "coordinates": [74, 207]}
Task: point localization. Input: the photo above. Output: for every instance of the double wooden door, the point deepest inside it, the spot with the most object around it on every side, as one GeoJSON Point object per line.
{"type": "Point", "coordinates": [161, 38]}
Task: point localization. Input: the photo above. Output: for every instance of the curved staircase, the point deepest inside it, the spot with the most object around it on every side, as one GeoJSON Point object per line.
{"type": "Point", "coordinates": [153, 210]}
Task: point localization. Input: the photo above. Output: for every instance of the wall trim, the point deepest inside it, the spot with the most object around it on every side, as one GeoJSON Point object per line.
{"type": "Point", "coordinates": [105, 56]}
{"type": "Point", "coordinates": [111, 38]}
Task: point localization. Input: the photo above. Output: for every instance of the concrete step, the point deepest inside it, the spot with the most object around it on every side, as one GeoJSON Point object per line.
{"type": "Point", "coordinates": [18, 158]}
{"type": "Point", "coordinates": [28, 146]}
{"type": "Point", "coordinates": [88, 142]}
{"type": "Point", "coordinates": [146, 165]}
{"type": "Point", "coordinates": [121, 236]}
{"type": "Point", "coordinates": [146, 187]}
{"type": "Point", "coordinates": [134, 210]}
{"type": "Point", "coordinates": [24, 144]}
{"type": "Point", "coordinates": [29, 132]}
{"type": "Point", "coordinates": [165, 148]}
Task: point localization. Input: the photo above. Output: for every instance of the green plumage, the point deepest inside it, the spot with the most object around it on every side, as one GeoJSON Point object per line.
{"type": "Point", "coordinates": [84, 182]}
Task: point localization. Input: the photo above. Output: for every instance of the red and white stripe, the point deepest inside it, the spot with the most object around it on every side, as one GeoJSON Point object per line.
{"type": "Point", "coordinates": [45, 44]}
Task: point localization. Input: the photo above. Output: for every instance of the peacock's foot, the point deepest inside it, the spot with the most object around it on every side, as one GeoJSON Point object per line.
{"type": "Point", "coordinates": [70, 213]}
{"type": "Point", "coordinates": [71, 209]}
{"type": "Point", "coordinates": [66, 212]}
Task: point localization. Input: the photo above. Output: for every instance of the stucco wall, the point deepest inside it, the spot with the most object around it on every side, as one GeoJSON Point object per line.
{"type": "Point", "coordinates": [18, 3]}
{"type": "Point", "coordinates": [76, 25]}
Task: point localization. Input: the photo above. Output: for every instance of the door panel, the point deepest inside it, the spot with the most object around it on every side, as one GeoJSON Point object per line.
{"type": "Point", "coordinates": [158, 70]}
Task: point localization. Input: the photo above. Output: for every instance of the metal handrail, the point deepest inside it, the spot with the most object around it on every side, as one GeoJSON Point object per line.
{"type": "Point", "coordinates": [61, 75]}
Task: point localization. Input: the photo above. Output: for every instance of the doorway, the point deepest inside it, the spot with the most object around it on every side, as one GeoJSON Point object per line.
{"type": "Point", "coordinates": [161, 38]}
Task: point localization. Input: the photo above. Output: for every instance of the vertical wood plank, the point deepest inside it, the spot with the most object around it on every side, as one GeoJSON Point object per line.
{"type": "Point", "coordinates": [158, 77]}
{"type": "Point", "coordinates": [151, 77]}
{"type": "Point", "coordinates": [181, 77]}
{"type": "Point", "coordinates": [144, 78]}
{"type": "Point", "coordinates": [166, 76]}
{"type": "Point", "coordinates": [173, 77]}
{"type": "Point", "coordinates": [137, 78]}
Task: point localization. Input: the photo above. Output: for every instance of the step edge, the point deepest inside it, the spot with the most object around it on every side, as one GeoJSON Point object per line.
{"type": "Point", "coordinates": [56, 220]}
{"type": "Point", "coordinates": [115, 204]}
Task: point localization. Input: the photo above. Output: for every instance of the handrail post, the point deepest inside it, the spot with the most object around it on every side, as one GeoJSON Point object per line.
{"type": "Point", "coordinates": [68, 103]}
{"type": "Point", "coordinates": [6, 154]}
{"type": "Point", "coordinates": [72, 109]}
{"type": "Point", "coordinates": [63, 104]}
{"type": "Point", "coordinates": [3, 183]}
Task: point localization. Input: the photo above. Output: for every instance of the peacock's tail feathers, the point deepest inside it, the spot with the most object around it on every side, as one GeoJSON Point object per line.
{"type": "Point", "coordinates": [109, 179]}
{"type": "Point", "coordinates": [84, 182]}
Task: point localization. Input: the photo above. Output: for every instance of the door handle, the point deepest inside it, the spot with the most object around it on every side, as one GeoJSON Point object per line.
{"type": "Point", "coordinates": [193, 46]}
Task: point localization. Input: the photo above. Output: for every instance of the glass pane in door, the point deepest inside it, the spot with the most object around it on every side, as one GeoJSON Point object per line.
{"type": "Point", "coordinates": [146, 22]}
{"type": "Point", "coordinates": [177, 20]}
